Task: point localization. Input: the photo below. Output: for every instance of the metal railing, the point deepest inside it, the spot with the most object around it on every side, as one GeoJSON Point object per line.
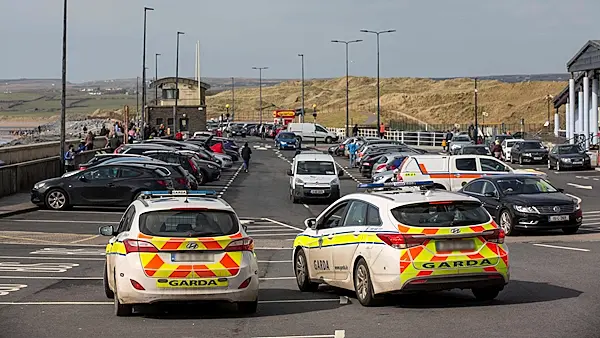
{"type": "Point", "coordinates": [413, 138]}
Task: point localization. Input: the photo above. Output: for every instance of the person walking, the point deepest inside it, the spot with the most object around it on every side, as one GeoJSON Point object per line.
{"type": "Point", "coordinates": [382, 130]}
{"type": "Point", "coordinates": [70, 159]}
{"type": "Point", "coordinates": [89, 141]}
{"type": "Point", "coordinates": [352, 147]}
{"type": "Point", "coordinates": [355, 130]}
{"type": "Point", "coordinates": [246, 153]}
{"type": "Point", "coordinates": [114, 142]}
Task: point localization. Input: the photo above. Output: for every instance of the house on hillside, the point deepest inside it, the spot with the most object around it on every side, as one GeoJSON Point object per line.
{"type": "Point", "coordinates": [191, 104]}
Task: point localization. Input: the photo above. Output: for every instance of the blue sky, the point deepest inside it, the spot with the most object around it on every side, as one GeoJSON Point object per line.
{"type": "Point", "coordinates": [434, 38]}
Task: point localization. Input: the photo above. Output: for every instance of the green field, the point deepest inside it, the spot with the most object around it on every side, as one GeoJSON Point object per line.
{"type": "Point", "coordinates": [31, 105]}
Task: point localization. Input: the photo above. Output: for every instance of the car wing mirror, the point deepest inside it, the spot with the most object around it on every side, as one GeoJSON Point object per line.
{"type": "Point", "coordinates": [561, 190]}
{"type": "Point", "coordinates": [106, 230]}
{"type": "Point", "coordinates": [82, 178]}
{"type": "Point", "coordinates": [289, 172]}
{"type": "Point", "coordinates": [310, 223]}
{"type": "Point", "coordinates": [245, 227]}
{"type": "Point", "coordinates": [340, 173]}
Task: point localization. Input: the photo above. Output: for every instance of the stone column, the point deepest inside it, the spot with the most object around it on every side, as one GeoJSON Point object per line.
{"type": "Point", "coordinates": [579, 128]}
{"type": "Point", "coordinates": [568, 120]}
{"type": "Point", "coordinates": [594, 110]}
{"type": "Point", "coordinates": [571, 112]}
{"type": "Point", "coordinates": [586, 110]}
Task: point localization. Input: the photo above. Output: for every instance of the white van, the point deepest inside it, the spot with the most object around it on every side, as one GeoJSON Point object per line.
{"type": "Point", "coordinates": [314, 176]}
{"type": "Point", "coordinates": [453, 172]}
{"type": "Point", "coordinates": [507, 145]}
{"type": "Point", "coordinates": [310, 131]}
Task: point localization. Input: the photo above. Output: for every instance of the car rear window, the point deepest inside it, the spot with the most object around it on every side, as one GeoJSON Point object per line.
{"type": "Point", "coordinates": [188, 223]}
{"type": "Point", "coordinates": [441, 214]}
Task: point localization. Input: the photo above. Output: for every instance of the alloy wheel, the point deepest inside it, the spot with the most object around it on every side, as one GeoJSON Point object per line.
{"type": "Point", "coordinates": [57, 200]}
{"type": "Point", "coordinates": [362, 282]}
{"type": "Point", "coordinates": [506, 222]}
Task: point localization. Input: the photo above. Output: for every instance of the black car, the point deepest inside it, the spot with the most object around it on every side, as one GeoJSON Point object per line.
{"type": "Point", "coordinates": [204, 171]}
{"type": "Point", "coordinates": [568, 156]}
{"type": "Point", "coordinates": [238, 130]}
{"type": "Point", "coordinates": [182, 179]}
{"type": "Point", "coordinates": [475, 150]}
{"type": "Point", "coordinates": [100, 158]}
{"type": "Point", "coordinates": [173, 144]}
{"type": "Point", "coordinates": [114, 185]}
{"type": "Point", "coordinates": [528, 151]}
{"type": "Point", "coordinates": [140, 148]}
{"type": "Point", "coordinates": [525, 202]}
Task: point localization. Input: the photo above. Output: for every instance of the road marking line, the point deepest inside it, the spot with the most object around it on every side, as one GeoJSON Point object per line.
{"type": "Point", "coordinates": [51, 277]}
{"type": "Point", "coordinates": [306, 206]}
{"type": "Point", "coordinates": [250, 230]}
{"type": "Point", "coordinates": [268, 235]}
{"type": "Point", "coordinates": [54, 258]}
{"type": "Point", "coordinates": [590, 212]}
{"type": "Point", "coordinates": [62, 244]}
{"type": "Point", "coordinates": [85, 239]}
{"type": "Point", "coordinates": [267, 248]}
{"type": "Point", "coordinates": [337, 334]}
{"type": "Point", "coordinates": [277, 278]}
{"type": "Point", "coordinates": [587, 187]}
{"type": "Point", "coordinates": [561, 247]}
{"type": "Point", "coordinates": [594, 223]}
{"type": "Point", "coordinates": [81, 212]}
{"type": "Point", "coordinates": [254, 226]}
{"type": "Point", "coordinates": [575, 197]}
{"type": "Point", "coordinates": [59, 221]}
{"type": "Point", "coordinates": [283, 224]}
{"type": "Point", "coordinates": [111, 303]}
{"type": "Point", "coordinates": [235, 175]}
{"type": "Point", "coordinates": [270, 261]}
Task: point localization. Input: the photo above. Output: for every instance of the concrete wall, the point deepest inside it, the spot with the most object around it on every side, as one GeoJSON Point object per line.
{"type": "Point", "coordinates": [21, 177]}
{"type": "Point", "coordinates": [36, 151]}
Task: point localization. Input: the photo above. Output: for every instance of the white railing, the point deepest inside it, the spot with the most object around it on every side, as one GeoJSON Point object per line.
{"type": "Point", "coordinates": [413, 138]}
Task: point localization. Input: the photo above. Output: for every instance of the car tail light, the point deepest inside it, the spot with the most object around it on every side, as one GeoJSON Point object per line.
{"type": "Point", "coordinates": [82, 168]}
{"type": "Point", "coordinates": [341, 146]}
{"type": "Point", "coordinates": [136, 285]}
{"type": "Point", "coordinates": [182, 180]}
{"type": "Point", "coordinates": [162, 183]}
{"type": "Point", "coordinates": [391, 167]}
{"type": "Point", "coordinates": [245, 283]}
{"type": "Point", "coordinates": [134, 245]}
{"type": "Point", "coordinates": [401, 241]}
{"type": "Point", "coordinates": [381, 166]}
{"type": "Point", "coordinates": [244, 244]}
{"type": "Point", "coordinates": [193, 165]}
{"type": "Point", "coordinates": [495, 236]}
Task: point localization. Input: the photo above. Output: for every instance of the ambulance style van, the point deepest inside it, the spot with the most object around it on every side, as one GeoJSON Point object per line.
{"type": "Point", "coordinates": [453, 172]}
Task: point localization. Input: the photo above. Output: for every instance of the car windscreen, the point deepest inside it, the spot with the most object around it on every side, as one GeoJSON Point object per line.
{"type": "Point", "coordinates": [441, 214]}
{"type": "Point", "coordinates": [570, 149]}
{"type": "Point", "coordinates": [315, 168]}
{"type": "Point", "coordinates": [476, 150]}
{"type": "Point", "coordinates": [533, 185]}
{"type": "Point", "coordinates": [188, 223]}
{"type": "Point", "coordinates": [461, 139]}
{"type": "Point", "coordinates": [532, 145]}
{"type": "Point", "coordinates": [287, 135]}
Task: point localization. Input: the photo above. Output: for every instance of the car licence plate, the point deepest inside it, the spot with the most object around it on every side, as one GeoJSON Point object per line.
{"type": "Point", "coordinates": [537, 158]}
{"type": "Point", "coordinates": [456, 245]}
{"type": "Point", "coordinates": [192, 257]}
{"type": "Point", "coordinates": [560, 218]}
{"type": "Point", "coordinates": [317, 192]}
{"type": "Point", "coordinates": [192, 283]}
{"type": "Point", "coordinates": [578, 163]}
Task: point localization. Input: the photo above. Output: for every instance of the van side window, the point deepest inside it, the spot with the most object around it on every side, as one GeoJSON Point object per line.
{"type": "Point", "coordinates": [466, 164]}
{"type": "Point", "coordinates": [411, 166]}
{"type": "Point", "coordinates": [321, 129]}
{"type": "Point", "coordinates": [493, 165]}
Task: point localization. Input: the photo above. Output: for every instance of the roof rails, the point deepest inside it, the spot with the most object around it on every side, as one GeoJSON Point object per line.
{"type": "Point", "coordinates": [370, 187]}
{"type": "Point", "coordinates": [177, 193]}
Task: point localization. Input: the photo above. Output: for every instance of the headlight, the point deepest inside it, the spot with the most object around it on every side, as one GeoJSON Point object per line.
{"type": "Point", "coordinates": [335, 181]}
{"type": "Point", "coordinates": [39, 185]}
{"type": "Point", "coordinates": [212, 166]}
{"type": "Point", "coordinates": [566, 160]}
{"type": "Point", "coordinates": [527, 154]}
{"type": "Point", "coordinates": [299, 181]}
{"type": "Point", "coordinates": [525, 210]}
{"type": "Point", "coordinates": [577, 206]}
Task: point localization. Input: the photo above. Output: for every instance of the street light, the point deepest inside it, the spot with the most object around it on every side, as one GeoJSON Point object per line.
{"type": "Point", "coordinates": [260, 69]}
{"type": "Point", "coordinates": [176, 83]}
{"type": "Point", "coordinates": [232, 98]}
{"type": "Point", "coordinates": [475, 132]}
{"type": "Point", "coordinates": [146, 9]}
{"type": "Point", "coordinates": [347, 83]}
{"type": "Point", "coordinates": [156, 77]}
{"type": "Point", "coordinates": [378, 96]}
{"type": "Point", "coordinates": [302, 115]}
{"type": "Point", "coordinates": [63, 97]}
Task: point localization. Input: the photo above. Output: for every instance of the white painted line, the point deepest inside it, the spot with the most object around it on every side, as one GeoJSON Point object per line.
{"type": "Point", "coordinates": [81, 212]}
{"type": "Point", "coordinates": [561, 247]}
{"type": "Point", "coordinates": [277, 278]}
{"type": "Point", "coordinates": [267, 248]}
{"type": "Point", "coordinates": [59, 221]}
{"type": "Point", "coordinates": [306, 206]}
{"type": "Point", "coordinates": [274, 262]}
{"type": "Point", "coordinates": [85, 239]}
{"type": "Point", "coordinates": [593, 223]}
{"type": "Point", "coordinates": [283, 224]}
{"type": "Point", "coordinates": [589, 212]}
{"type": "Point", "coordinates": [61, 244]}
{"type": "Point", "coordinates": [575, 197]}
{"type": "Point", "coordinates": [269, 235]}
{"type": "Point", "coordinates": [588, 187]}
{"type": "Point", "coordinates": [51, 277]}
{"type": "Point", "coordinates": [254, 226]}
{"type": "Point", "coordinates": [54, 258]}
{"type": "Point", "coordinates": [250, 230]}
{"type": "Point", "coordinates": [111, 303]}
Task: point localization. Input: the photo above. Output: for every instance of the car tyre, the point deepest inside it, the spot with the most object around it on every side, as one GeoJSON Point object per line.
{"type": "Point", "coordinates": [56, 199]}
{"type": "Point", "coordinates": [506, 222]}
{"type": "Point", "coordinates": [558, 168]}
{"type": "Point", "coordinates": [486, 294]}
{"type": "Point", "coordinates": [363, 285]}
{"type": "Point", "coordinates": [293, 197]}
{"type": "Point", "coordinates": [570, 231]}
{"type": "Point", "coordinates": [248, 308]}
{"type": "Point", "coordinates": [121, 310]}
{"type": "Point", "coordinates": [302, 275]}
{"type": "Point", "coordinates": [201, 177]}
{"type": "Point", "coordinates": [107, 291]}
{"type": "Point", "coordinates": [549, 165]}
{"type": "Point", "coordinates": [328, 139]}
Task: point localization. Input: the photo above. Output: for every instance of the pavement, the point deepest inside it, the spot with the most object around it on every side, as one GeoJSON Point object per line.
{"type": "Point", "coordinates": [51, 276]}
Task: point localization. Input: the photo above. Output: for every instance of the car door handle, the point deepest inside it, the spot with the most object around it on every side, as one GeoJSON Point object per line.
{"type": "Point", "coordinates": [111, 185]}
{"type": "Point", "coordinates": [330, 236]}
{"type": "Point", "coordinates": [356, 233]}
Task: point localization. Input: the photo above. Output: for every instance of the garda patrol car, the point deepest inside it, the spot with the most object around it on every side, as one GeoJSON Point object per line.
{"type": "Point", "coordinates": [389, 241]}
{"type": "Point", "coordinates": [180, 246]}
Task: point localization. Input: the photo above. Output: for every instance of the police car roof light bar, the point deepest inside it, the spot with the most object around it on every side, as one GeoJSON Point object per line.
{"type": "Point", "coordinates": [395, 184]}
{"type": "Point", "coordinates": [176, 193]}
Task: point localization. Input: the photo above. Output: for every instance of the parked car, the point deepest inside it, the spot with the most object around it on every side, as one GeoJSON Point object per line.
{"type": "Point", "coordinates": [99, 158]}
{"type": "Point", "coordinates": [182, 179]}
{"type": "Point", "coordinates": [204, 171]}
{"type": "Point", "coordinates": [238, 130]}
{"type": "Point", "coordinates": [518, 202]}
{"type": "Point", "coordinates": [459, 141]}
{"type": "Point", "coordinates": [529, 151]}
{"type": "Point", "coordinates": [109, 185]}
{"type": "Point", "coordinates": [568, 156]}
{"type": "Point", "coordinates": [507, 145]}
{"type": "Point", "coordinates": [390, 161]}
{"type": "Point", "coordinates": [475, 150]}
{"type": "Point", "coordinates": [309, 131]}
{"type": "Point", "coordinates": [203, 142]}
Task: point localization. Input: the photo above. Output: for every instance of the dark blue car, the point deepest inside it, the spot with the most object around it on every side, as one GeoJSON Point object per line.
{"type": "Point", "coordinates": [286, 140]}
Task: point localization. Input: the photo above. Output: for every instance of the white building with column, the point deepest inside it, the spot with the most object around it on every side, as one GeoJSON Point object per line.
{"type": "Point", "coordinates": [581, 96]}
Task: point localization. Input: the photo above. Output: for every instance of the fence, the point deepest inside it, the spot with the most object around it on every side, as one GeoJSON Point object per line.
{"type": "Point", "coordinates": [418, 138]}
{"type": "Point", "coordinates": [21, 177]}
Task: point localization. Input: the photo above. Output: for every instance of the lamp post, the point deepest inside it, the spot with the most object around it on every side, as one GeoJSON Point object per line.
{"type": "Point", "coordinates": [227, 114]}
{"type": "Point", "coordinates": [302, 114]}
{"type": "Point", "coordinates": [378, 95]}
{"type": "Point", "coordinates": [348, 84]}
{"type": "Point", "coordinates": [137, 95]}
{"type": "Point", "coordinates": [476, 124]}
{"type": "Point", "coordinates": [260, 69]}
{"type": "Point", "coordinates": [63, 97]}
{"type": "Point", "coordinates": [176, 83]}
{"type": "Point", "coordinates": [143, 119]}
{"type": "Point", "coordinates": [232, 98]}
{"type": "Point", "coordinates": [549, 99]}
{"type": "Point", "coordinates": [156, 77]}
{"type": "Point", "coordinates": [315, 121]}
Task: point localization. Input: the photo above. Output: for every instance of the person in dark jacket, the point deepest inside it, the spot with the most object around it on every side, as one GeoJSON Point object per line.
{"type": "Point", "coordinates": [246, 152]}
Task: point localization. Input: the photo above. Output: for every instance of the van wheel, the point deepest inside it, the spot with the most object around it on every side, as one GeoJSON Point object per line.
{"type": "Point", "coordinates": [328, 139]}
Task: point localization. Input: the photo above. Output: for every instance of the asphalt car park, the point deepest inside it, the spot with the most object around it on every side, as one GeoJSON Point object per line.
{"type": "Point", "coordinates": [51, 276]}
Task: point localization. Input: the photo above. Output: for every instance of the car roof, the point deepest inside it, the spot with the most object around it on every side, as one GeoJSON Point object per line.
{"type": "Point", "coordinates": [130, 164]}
{"type": "Point", "coordinates": [395, 198]}
{"type": "Point", "coordinates": [171, 202]}
{"type": "Point", "coordinates": [147, 160]}
{"type": "Point", "coordinates": [147, 145]}
{"type": "Point", "coordinates": [509, 176]}
{"type": "Point", "coordinates": [313, 157]}
{"type": "Point", "coordinates": [117, 155]}
{"type": "Point", "coordinates": [176, 152]}
{"type": "Point", "coordinates": [514, 140]}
